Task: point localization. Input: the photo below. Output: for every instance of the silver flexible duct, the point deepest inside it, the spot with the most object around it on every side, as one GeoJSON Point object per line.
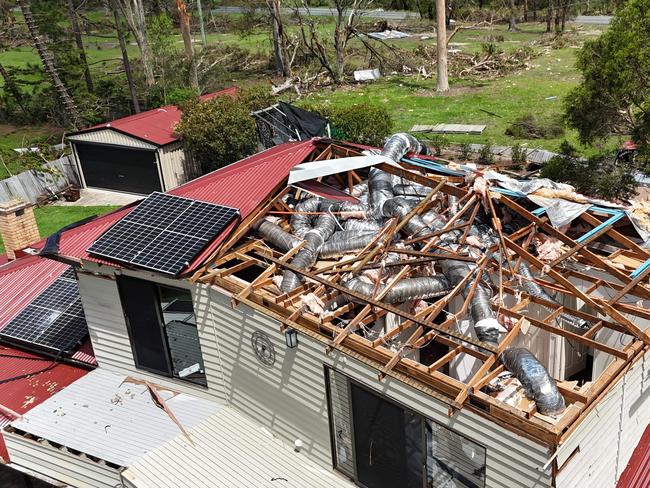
{"type": "Point", "coordinates": [532, 288]}
{"type": "Point", "coordinates": [363, 225]}
{"type": "Point", "coordinates": [411, 189]}
{"type": "Point", "coordinates": [421, 287]}
{"type": "Point", "coordinates": [534, 377]}
{"type": "Point", "coordinates": [345, 241]}
{"type": "Point", "coordinates": [276, 235]}
{"type": "Point", "coordinates": [398, 145]}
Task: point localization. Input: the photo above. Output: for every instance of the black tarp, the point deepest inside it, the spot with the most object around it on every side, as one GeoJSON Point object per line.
{"type": "Point", "coordinates": [308, 124]}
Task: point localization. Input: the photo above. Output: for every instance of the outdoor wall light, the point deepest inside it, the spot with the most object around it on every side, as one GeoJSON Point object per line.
{"type": "Point", "coordinates": [291, 336]}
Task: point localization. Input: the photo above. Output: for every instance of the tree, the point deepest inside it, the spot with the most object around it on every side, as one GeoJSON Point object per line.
{"type": "Point", "coordinates": [74, 23]}
{"type": "Point", "coordinates": [119, 29]}
{"type": "Point", "coordinates": [614, 95]}
{"type": "Point", "coordinates": [184, 19]}
{"type": "Point", "coordinates": [134, 13]}
{"type": "Point", "coordinates": [512, 23]}
{"type": "Point", "coordinates": [282, 63]}
{"type": "Point", "coordinates": [40, 43]}
{"type": "Point", "coordinates": [441, 44]}
{"type": "Point", "coordinates": [221, 130]}
{"type": "Point", "coordinates": [348, 16]}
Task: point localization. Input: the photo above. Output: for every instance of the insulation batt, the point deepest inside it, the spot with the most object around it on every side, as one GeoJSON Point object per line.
{"type": "Point", "coordinates": [538, 384]}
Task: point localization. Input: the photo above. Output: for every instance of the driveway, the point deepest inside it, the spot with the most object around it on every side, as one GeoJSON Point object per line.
{"type": "Point", "coordinates": [91, 197]}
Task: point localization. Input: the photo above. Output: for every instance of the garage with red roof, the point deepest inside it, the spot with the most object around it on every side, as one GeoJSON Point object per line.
{"type": "Point", "coordinates": [137, 154]}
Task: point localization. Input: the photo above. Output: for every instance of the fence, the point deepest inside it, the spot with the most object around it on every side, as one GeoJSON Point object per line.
{"type": "Point", "coordinates": [32, 186]}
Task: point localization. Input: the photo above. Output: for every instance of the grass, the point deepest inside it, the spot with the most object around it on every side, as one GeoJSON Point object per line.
{"type": "Point", "coordinates": [51, 218]}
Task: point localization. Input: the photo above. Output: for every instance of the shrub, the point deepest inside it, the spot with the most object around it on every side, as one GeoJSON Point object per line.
{"type": "Point", "coordinates": [465, 151]}
{"type": "Point", "coordinates": [363, 123]}
{"type": "Point", "coordinates": [599, 176]}
{"type": "Point", "coordinates": [438, 143]}
{"type": "Point", "coordinates": [531, 127]}
{"type": "Point", "coordinates": [220, 131]}
{"type": "Point", "coordinates": [519, 154]}
{"type": "Point", "coordinates": [485, 155]}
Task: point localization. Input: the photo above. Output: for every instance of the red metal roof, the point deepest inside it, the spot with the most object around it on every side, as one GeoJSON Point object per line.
{"type": "Point", "coordinates": [155, 126]}
{"type": "Point", "coordinates": [637, 471]}
{"type": "Point", "coordinates": [27, 380]}
{"type": "Point", "coordinates": [244, 185]}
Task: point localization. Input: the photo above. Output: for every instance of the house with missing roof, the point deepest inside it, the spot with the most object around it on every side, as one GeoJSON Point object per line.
{"type": "Point", "coordinates": [138, 154]}
{"type": "Point", "coordinates": [322, 314]}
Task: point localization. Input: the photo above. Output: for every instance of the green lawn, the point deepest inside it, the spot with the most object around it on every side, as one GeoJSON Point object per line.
{"type": "Point", "coordinates": [51, 218]}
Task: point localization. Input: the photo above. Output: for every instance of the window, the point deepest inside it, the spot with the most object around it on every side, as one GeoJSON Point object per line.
{"type": "Point", "coordinates": [380, 444]}
{"type": "Point", "coordinates": [162, 328]}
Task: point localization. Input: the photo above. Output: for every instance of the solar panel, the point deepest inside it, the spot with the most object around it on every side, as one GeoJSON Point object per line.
{"type": "Point", "coordinates": [54, 321]}
{"type": "Point", "coordinates": [163, 233]}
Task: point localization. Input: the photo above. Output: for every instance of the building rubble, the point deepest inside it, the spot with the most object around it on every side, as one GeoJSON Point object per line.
{"type": "Point", "coordinates": [455, 277]}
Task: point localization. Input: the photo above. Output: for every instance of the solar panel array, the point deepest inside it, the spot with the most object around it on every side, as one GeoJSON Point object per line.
{"type": "Point", "coordinates": [54, 321]}
{"type": "Point", "coordinates": [163, 233]}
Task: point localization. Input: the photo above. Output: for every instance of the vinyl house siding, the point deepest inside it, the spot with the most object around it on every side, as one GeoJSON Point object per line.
{"type": "Point", "coordinates": [290, 399]}
{"type": "Point", "coordinates": [597, 452]}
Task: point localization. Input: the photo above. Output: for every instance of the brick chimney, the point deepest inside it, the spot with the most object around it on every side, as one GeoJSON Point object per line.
{"type": "Point", "coordinates": [17, 226]}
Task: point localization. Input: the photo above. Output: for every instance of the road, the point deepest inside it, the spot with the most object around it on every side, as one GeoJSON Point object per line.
{"type": "Point", "coordinates": [593, 19]}
{"type": "Point", "coordinates": [326, 11]}
{"type": "Point", "coordinates": [397, 14]}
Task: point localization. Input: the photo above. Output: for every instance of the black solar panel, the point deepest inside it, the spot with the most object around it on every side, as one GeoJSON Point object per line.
{"type": "Point", "coordinates": [54, 321]}
{"type": "Point", "coordinates": [163, 233]}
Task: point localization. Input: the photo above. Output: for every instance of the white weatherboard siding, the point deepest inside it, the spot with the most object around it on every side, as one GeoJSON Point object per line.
{"type": "Point", "coordinates": [115, 138]}
{"type": "Point", "coordinates": [609, 434]}
{"type": "Point", "coordinates": [228, 450]}
{"type": "Point", "coordinates": [109, 334]}
{"type": "Point", "coordinates": [289, 398]}
{"type": "Point", "coordinates": [59, 464]}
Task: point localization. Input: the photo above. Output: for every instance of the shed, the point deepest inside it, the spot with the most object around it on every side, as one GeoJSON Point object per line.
{"type": "Point", "coordinates": [138, 154]}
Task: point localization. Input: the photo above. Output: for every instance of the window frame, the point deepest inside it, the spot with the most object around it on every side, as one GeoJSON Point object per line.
{"type": "Point", "coordinates": [162, 328]}
{"type": "Point", "coordinates": [328, 370]}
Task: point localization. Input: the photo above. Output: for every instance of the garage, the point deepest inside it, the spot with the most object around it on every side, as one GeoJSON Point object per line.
{"type": "Point", "coordinates": [117, 168]}
{"type": "Point", "coordinates": [137, 154]}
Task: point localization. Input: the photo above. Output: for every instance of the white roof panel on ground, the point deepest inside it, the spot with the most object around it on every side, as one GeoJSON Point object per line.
{"type": "Point", "coordinates": [107, 416]}
{"type": "Point", "coordinates": [230, 450]}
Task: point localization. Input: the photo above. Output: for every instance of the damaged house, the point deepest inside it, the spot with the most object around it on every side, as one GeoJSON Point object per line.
{"type": "Point", "coordinates": [384, 319]}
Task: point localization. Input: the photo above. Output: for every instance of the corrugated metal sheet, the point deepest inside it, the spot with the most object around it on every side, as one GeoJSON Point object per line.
{"type": "Point", "coordinates": [172, 164]}
{"type": "Point", "coordinates": [106, 416]}
{"type": "Point", "coordinates": [60, 464]}
{"type": "Point", "coordinates": [637, 471]}
{"type": "Point", "coordinates": [229, 450]}
{"type": "Point", "coordinates": [289, 398]}
{"type": "Point", "coordinates": [244, 185]}
{"type": "Point", "coordinates": [36, 380]}
{"type": "Point", "coordinates": [155, 126]}
{"type": "Point", "coordinates": [113, 138]}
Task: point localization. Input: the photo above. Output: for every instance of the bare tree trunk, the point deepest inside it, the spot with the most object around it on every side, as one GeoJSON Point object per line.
{"type": "Point", "coordinates": [133, 11]}
{"type": "Point", "coordinates": [339, 40]}
{"type": "Point", "coordinates": [69, 107]}
{"type": "Point", "coordinates": [549, 15]}
{"type": "Point", "coordinates": [12, 88]}
{"type": "Point", "coordinates": [187, 41]}
{"type": "Point", "coordinates": [558, 12]}
{"type": "Point", "coordinates": [512, 25]}
{"type": "Point", "coordinates": [534, 10]}
{"type": "Point", "coordinates": [282, 65]}
{"type": "Point", "coordinates": [125, 57]}
{"type": "Point", "coordinates": [74, 23]}
{"type": "Point", "coordinates": [525, 10]}
{"type": "Point", "coordinates": [441, 44]}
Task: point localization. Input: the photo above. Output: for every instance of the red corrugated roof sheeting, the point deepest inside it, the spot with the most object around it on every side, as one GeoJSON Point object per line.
{"type": "Point", "coordinates": [157, 125]}
{"type": "Point", "coordinates": [26, 380]}
{"type": "Point", "coordinates": [637, 471]}
{"type": "Point", "coordinates": [243, 185]}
